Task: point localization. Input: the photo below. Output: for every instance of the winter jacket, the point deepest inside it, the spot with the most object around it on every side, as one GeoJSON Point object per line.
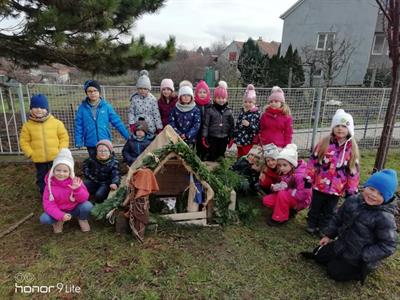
{"type": "Point", "coordinates": [365, 234]}
{"type": "Point", "coordinates": [134, 147]}
{"type": "Point", "coordinates": [244, 134]}
{"type": "Point", "coordinates": [187, 123]}
{"type": "Point", "coordinates": [276, 128]}
{"type": "Point", "coordinates": [270, 177]}
{"type": "Point", "coordinates": [147, 108]}
{"type": "Point", "coordinates": [331, 176]}
{"type": "Point", "coordinates": [106, 172]}
{"type": "Point", "coordinates": [166, 108]}
{"type": "Point", "coordinates": [296, 186]}
{"type": "Point", "coordinates": [90, 130]}
{"type": "Point", "coordinates": [218, 123]}
{"type": "Point", "coordinates": [62, 197]}
{"type": "Point", "coordinates": [41, 141]}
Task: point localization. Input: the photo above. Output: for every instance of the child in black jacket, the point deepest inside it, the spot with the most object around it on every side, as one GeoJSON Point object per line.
{"type": "Point", "coordinates": [137, 142]}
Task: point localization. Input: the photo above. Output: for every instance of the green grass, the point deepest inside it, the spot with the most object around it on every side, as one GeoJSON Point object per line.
{"type": "Point", "coordinates": [235, 262]}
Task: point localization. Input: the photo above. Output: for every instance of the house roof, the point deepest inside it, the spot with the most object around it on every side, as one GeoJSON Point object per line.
{"type": "Point", "coordinates": [270, 48]}
{"type": "Point", "coordinates": [291, 9]}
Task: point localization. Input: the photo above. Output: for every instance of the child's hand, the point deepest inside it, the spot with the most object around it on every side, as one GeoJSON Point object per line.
{"type": "Point", "coordinates": [204, 142]}
{"type": "Point", "coordinates": [76, 183]}
{"type": "Point", "coordinates": [113, 186]}
{"type": "Point", "coordinates": [67, 217]}
{"type": "Point", "coordinates": [324, 241]}
{"type": "Point", "coordinates": [245, 123]}
{"type": "Point", "coordinates": [262, 176]}
{"type": "Point", "coordinates": [183, 136]}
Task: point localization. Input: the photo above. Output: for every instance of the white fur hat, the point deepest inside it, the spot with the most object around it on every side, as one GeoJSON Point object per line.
{"type": "Point", "coordinates": [289, 153]}
{"type": "Point", "coordinates": [144, 80]}
{"type": "Point", "coordinates": [271, 151]}
{"type": "Point", "coordinates": [63, 157]}
{"type": "Point", "coordinates": [343, 118]}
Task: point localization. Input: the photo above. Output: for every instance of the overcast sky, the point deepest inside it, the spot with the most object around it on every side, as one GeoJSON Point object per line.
{"type": "Point", "coordinates": [197, 23]}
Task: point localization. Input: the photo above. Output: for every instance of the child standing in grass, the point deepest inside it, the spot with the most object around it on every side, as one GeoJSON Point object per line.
{"type": "Point", "coordinates": [363, 231]}
{"type": "Point", "coordinates": [93, 118]}
{"type": "Point", "coordinates": [167, 100]}
{"type": "Point", "coordinates": [65, 196]}
{"type": "Point", "coordinates": [332, 171]}
{"type": "Point", "coordinates": [144, 105]}
{"type": "Point", "coordinates": [42, 137]}
{"type": "Point", "coordinates": [202, 97]}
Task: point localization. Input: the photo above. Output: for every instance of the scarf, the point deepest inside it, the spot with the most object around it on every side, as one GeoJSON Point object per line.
{"type": "Point", "coordinates": [219, 107]}
{"type": "Point", "coordinates": [37, 119]}
{"type": "Point", "coordinates": [275, 111]}
{"type": "Point", "coordinates": [185, 107]}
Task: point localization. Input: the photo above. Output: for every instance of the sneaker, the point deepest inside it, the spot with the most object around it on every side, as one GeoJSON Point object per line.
{"type": "Point", "coordinates": [271, 222]}
{"type": "Point", "coordinates": [58, 227]}
{"type": "Point", "coordinates": [84, 224]}
{"type": "Point", "coordinates": [312, 230]}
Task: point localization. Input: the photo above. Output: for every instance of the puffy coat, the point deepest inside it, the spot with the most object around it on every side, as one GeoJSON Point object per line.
{"type": "Point", "coordinates": [134, 147]}
{"type": "Point", "coordinates": [218, 123]}
{"type": "Point", "coordinates": [106, 172]}
{"type": "Point", "coordinates": [88, 131]}
{"type": "Point", "coordinates": [331, 176]}
{"type": "Point", "coordinates": [62, 192]}
{"type": "Point", "coordinates": [187, 123]}
{"type": "Point", "coordinates": [365, 234]}
{"type": "Point", "coordinates": [41, 141]}
{"type": "Point", "coordinates": [296, 186]}
{"type": "Point", "coordinates": [276, 128]}
{"type": "Point", "coordinates": [147, 108]}
{"type": "Point", "coordinates": [165, 108]}
{"type": "Point", "coordinates": [270, 177]}
{"type": "Point", "coordinates": [244, 134]}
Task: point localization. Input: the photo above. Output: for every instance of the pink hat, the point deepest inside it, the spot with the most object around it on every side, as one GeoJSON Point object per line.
{"type": "Point", "coordinates": [167, 83]}
{"type": "Point", "coordinates": [250, 94]}
{"type": "Point", "coordinates": [106, 143]}
{"type": "Point", "coordinates": [277, 94]}
{"type": "Point", "coordinates": [202, 85]}
{"type": "Point", "coordinates": [221, 90]}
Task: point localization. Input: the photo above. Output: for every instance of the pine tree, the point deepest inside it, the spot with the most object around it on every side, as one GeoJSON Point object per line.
{"type": "Point", "coordinates": [83, 34]}
{"type": "Point", "coordinates": [250, 64]}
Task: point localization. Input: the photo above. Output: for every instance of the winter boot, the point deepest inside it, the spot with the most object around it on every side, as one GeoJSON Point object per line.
{"type": "Point", "coordinates": [84, 224]}
{"type": "Point", "coordinates": [58, 227]}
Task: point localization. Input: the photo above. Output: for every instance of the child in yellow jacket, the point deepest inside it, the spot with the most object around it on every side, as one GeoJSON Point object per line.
{"type": "Point", "coordinates": [42, 137]}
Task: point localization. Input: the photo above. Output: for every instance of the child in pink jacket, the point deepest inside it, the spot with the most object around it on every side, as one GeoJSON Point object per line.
{"type": "Point", "coordinates": [65, 196]}
{"type": "Point", "coordinates": [276, 121]}
{"type": "Point", "coordinates": [289, 195]}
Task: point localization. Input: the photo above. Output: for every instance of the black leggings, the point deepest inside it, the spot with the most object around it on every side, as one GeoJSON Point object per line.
{"type": "Point", "coordinates": [322, 209]}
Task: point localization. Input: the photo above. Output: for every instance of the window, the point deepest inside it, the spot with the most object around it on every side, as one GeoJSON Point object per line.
{"type": "Point", "coordinates": [325, 41]}
{"type": "Point", "coordinates": [379, 42]}
{"type": "Point", "coordinates": [232, 56]}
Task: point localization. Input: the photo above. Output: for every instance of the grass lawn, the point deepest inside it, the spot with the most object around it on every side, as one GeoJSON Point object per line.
{"type": "Point", "coordinates": [235, 262]}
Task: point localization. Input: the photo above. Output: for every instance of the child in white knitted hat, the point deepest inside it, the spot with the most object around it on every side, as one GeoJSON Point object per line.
{"type": "Point", "coordinates": [65, 196]}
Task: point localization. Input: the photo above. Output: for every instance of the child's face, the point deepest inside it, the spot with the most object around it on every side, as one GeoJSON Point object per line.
{"type": "Point", "coordinates": [271, 163]}
{"type": "Point", "coordinates": [275, 104]}
{"type": "Point", "coordinates": [247, 105]}
{"type": "Point", "coordinates": [252, 159]}
{"type": "Point", "coordinates": [220, 100]}
{"type": "Point", "coordinates": [372, 196]}
{"type": "Point", "coordinates": [143, 92]}
{"type": "Point", "coordinates": [140, 134]}
{"type": "Point", "coordinates": [93, 94]}
{"type": "Point", "coordinates": [284, 166]}
{"type": "Point", "coordinates": [38, 112]}
{"type": "Point", "coordinates": [341, 132]}
{"type": "Point", "coordinates": [202, 94]}
{"type": "Point", "coordinates": [103, 153]}
{"type": "Point", "coordinates": [166, 92]}
{"type": "Point", "coordinates": [185, 99]}
{"type": "Point", "coordinates": [61, 172]}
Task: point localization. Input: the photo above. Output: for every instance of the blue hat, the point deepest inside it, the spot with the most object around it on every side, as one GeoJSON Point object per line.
{"type": "Point", "coordinates": [385, 182]}
{"type": "Point", "coordinates": [39, 101]}
{"type": "Point", "coordinates": [92, 83]}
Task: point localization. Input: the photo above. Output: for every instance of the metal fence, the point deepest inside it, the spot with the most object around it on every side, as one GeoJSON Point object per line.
{"type": "Point", "coordinates": [308, 105]}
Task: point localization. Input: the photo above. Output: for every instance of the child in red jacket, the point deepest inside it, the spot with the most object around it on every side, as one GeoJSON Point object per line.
{"type": "Point", "coordinates": [270, 174]}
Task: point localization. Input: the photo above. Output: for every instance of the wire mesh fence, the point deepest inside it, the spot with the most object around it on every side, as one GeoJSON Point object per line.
{"type": "Point", "coordinates": [368, 107]}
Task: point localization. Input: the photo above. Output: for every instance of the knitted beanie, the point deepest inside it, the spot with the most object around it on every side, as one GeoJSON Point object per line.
{"type": "Point", "coordinates": [39, 101]}
{"type": "Point", "coordinates": [277, 94]}
{"type": "Point", "coordinates": [343, 118]}
{"type": "Point", "coordinates": [93, 83]}
{"type": "Point", "coordinates": [143, 80]}
{"type": "Point", "coordinates": [270, 151]}
{"type": "Point", "coordinates": [221, 90]}
{"type": "Point", "coordinates": [106, 143]}
{"type": "Point", "coordinates": [185, 83]}
{"type": "Point", "coordinates": [167, 84]}
{"type": "Point", "coordinates": [202, 85]}
{"type": "Point", "coordinates": [63, 157]}
{"type": "Point", "coordinates": [289, 153]}
{"type": "Point", "coordinates": [141, 125]}
{"type": "Point", "coordinates": [385, 182]}
{"type": "Point", "coordinates": [185, 90]}
{"type": "Point", "coordinates": [250, 94]}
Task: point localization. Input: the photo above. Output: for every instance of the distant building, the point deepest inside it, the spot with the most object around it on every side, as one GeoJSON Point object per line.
{"type": "Point", "coordinates": [55, 73]}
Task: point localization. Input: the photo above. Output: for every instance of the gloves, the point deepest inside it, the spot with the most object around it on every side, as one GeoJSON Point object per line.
{"type": "Point", "coordinates": [279, 186]}
{"type": "Point", "coordinates": [132, 128]}
{"type": "Point", "coordinates": [307, 184]}
{"type": "Point", "coordinates": [204, 142]}
{"type": "Point", "coordinates": [231, 142]}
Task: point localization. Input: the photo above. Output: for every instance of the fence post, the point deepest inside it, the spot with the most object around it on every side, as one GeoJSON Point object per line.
{"type": "Point", "coordinates": [316, 117]}
{"type": "Point", "coordinates": [21, 103]}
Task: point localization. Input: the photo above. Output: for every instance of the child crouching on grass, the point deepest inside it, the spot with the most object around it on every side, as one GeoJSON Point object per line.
{"type": "Point", "coordinates": [270, 173]}
{"type": "Point", "coordinates": [363, 231]}
{"type": "Point", "coordinates": [65, 196]}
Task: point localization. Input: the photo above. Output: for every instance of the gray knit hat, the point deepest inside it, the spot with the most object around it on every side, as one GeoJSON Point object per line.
{"type": "Point", "coordinates": [144, 80]}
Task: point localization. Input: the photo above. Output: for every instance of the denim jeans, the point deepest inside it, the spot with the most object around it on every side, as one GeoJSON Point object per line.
{"type": "Point", "coordinates": [81, 211]}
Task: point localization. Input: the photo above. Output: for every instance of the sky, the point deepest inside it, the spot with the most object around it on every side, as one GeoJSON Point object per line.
{"type": "Point", "coordinates": [197, 23]}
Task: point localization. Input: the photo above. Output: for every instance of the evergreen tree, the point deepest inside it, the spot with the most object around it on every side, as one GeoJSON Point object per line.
{"type": "Point", "coordinates": [84, 34]}
{"type": "Point", "coordinates": [250, 64]}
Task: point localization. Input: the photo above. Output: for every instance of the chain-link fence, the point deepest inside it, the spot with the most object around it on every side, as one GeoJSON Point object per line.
{"type": "Point", "coordinates": [368, 107]}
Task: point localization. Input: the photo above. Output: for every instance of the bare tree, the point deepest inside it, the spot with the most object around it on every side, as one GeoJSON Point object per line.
{"type": "Point", "coordinates": [228, 72]}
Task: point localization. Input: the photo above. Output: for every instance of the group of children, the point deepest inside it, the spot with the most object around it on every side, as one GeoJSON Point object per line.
{"type": "Point", "coordinates": [265, 151]}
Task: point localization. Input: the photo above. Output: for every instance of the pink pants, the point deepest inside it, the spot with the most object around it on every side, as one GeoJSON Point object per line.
{"type": "Point", "coordinates": [280, 202]}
